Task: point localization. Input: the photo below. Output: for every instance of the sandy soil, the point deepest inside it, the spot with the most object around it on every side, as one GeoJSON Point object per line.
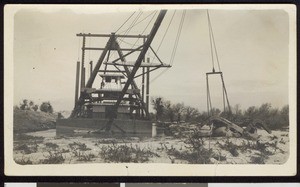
{"type": "Point", "coordinates": [160, 145]}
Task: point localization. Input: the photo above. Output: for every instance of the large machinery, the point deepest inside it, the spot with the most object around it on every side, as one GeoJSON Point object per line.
{"type": "Point", "coordinates": [117, 104]}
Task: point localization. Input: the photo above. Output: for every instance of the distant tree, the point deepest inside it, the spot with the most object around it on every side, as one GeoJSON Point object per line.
{"type": "Point", "coordinates": [158, 105]}
{"type": "Point", "coordinates": [284, 113]}
{"type": "Point", "coordinates": [215, 112]}
{"type": "Point", "coordinates": [169, 111]}
{"type": "Point", "coordinates": [190, 113]}
{"type": "Point", "coordinates": [35, 107]}
{"type": "Point", "coordinates": [237, 109]}
{"type": "Point", "coordinates": [60, 116]}
{"type": "Point", "coordinates": [24, 105]}
{"type": "Point", "coordinates": [250, 112]}
{"type": "Point", "coordinates": [264, 111]}
{"type": "Point", "coordinates": [178, 109]}
{"type": "Point", "coordinates": [46, 107]}
{"type": "Point", "coordinates": [31, 104]}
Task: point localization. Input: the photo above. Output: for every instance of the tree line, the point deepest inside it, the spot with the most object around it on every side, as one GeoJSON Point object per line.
{"type": "Point", "coordinates": [167, 111]}
{"type": "Point", "coordinates": [30, 105]}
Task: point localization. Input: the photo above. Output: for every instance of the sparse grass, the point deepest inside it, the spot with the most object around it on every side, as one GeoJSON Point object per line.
{"type": "Point", "coordinates": [54, 155]}
{"type": "Point", "coordinates": [79, 151]}
{"type": "Point", "coordinates": [230, 147]}
{"type": "Point", "coordinates": [125, 153]}
{"type": "Point", "coordinates": [27, 148]}
{"type": "Point", "coordinates": [50, 145]}
{"type": "Point", "coordinates": [27, 144]}
{"type": "Point", "coordinates": [196, 153]}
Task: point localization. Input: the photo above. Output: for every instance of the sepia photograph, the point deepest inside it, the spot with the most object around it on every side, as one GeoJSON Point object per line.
{"type": "Point", "coordinates": [142, 87]}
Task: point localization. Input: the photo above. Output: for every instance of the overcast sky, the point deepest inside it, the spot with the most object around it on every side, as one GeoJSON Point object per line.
{"type": "Point", "coordinates": [252, 49]}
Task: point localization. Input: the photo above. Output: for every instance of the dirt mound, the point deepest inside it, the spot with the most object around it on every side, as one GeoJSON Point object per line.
{"type": "Point", "coordinates": [30, 121]}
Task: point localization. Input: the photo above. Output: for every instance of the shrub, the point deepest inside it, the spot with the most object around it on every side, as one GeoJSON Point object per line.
{"type": "Point", "coordinates": [46, 107]}
{"type": "Point", "coordinates": [230, 147]}
{"type": "Point", "coordinates": [79, 151]}
{"type": "Point", "coordinates": [196, 153]}
{"type": "Point", "coordinates": [35, 107]}
{"type": "Point", "coordinates": [54, 155]}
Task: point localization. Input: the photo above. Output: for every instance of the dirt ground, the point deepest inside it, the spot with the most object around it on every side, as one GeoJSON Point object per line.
{"type": "Point", "coordinates": [43, 147]}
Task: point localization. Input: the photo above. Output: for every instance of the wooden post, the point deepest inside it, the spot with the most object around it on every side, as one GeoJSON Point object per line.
{"type": "Point", "coordinates": [154, 130]}
{"type": "Point", "coordinates": [91, 68]}
{"type": "Point", "coordinates": [143, 81]}
{"type": "Point", "coordinates": [147, 85]}
{"type": "Point", "coordinates": [82, 62]}
{"type": "Point", "coordinates": [143, 88]}
{"type": "Point", "coordinates": [83, 78]}
{"type": "Point", "coordinates": [77, 81]}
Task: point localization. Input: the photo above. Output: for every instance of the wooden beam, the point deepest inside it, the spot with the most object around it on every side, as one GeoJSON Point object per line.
{"type": "Point", "coordinates": [101, 49]}
{"type": "Point", "coordinates": [111, 71]}
{"type": "Point", "coordinates": [109, 35]}
{"type": "Point", "coordinates": [211, 73]}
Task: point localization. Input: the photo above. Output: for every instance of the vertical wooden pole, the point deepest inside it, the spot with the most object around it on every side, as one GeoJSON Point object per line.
{"type": "Point", "coordinates": [83, 78]}
{"type": "Point", "coordinates": [82, 62]}
{"type": "Point", "coordinates": [91, 68]}
{"type": "Point", "coordinates": [77, 81]}
{"type": "Point", "coordinates": [207, 95]}
{"type": "Point", "coordinates": [143, 81]}
{"type": "Point", "coordinates": [147, 85]}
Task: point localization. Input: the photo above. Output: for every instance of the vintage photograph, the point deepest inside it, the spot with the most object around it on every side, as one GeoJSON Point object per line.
{"type": "Point", "coordinates": [176, 85]}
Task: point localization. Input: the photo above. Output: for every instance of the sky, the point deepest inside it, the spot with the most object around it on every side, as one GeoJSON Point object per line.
{"type": "Point", "coordinates": [252, 48]}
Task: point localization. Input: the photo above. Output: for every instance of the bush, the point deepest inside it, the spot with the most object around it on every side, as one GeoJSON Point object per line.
{"type": "Point", "coordinates": [196, 153]}
{"type": "Point", "coordinates": [79, 151]}
{"type": "Point", "coordinates": [230, 147]}
{"type": "Point", "coordinates": [46, 107]}
{"type": "Point", "coordinates": [54, 155]}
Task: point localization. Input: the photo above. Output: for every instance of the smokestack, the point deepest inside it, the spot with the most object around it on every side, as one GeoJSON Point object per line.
{"type": "Point", "coordinates": [91, 67]}
{"type": "Point", "coordinates": [77, 81]}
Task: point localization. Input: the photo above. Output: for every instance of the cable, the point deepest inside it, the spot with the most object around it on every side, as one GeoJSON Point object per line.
{"type": "Point", "coordinates": [212, 41]}
{"type": "Point", "coordinates": [132, 23]}
{"type": "Point", "coordinates": [131, 44]}
{"type": "Point", "coordinates": [125, 22]}
{"type": "Point", "coordinates": [145, 28]}
{"type": "Point", "coordinates": [128, 30]}
{"type": "Point", "coordinates": [164, 35]}
{"type": "Point", "coordinates": [177, 38]}
{"type": "Point", "coordinates": [175, 46]}
{"type": "Point", "coordinates": [135, 24]}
